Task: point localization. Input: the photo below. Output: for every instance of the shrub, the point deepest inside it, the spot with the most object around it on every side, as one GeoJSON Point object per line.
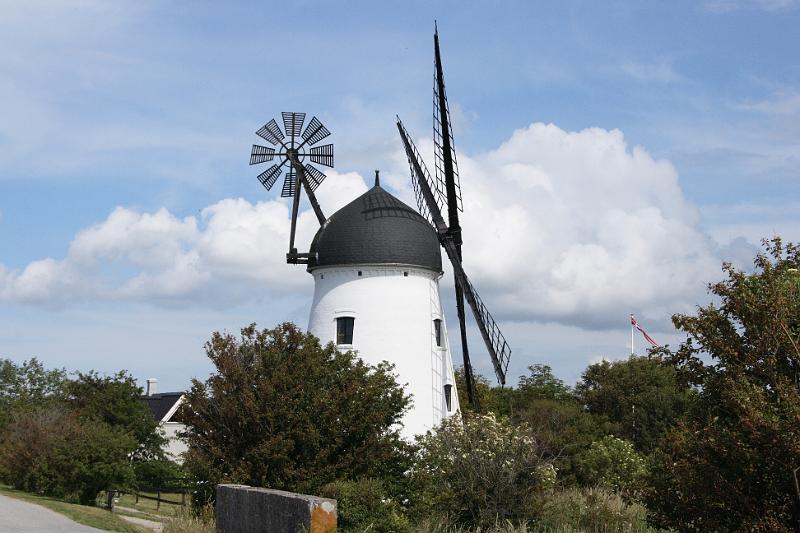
{"type": "Point", "coordinates": [53, 452]}
{"type": "Point", "coordinates": [284, 412]}
{"type": "Point", "coordinates": [590, 509]}
{"type": "Point", "coordinates": [612, 462]}
{"type": "Point", "coordinates": [157, 473]}
{"type": "Point", "coordinates": [480, 471]}
{"type": "Point", "coordinates": [363, 505]}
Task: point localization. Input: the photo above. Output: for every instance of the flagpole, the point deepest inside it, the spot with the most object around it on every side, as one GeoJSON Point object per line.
{"type": "Point", "coordinates": [632, 353]}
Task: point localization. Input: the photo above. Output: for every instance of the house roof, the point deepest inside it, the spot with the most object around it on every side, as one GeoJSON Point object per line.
{"type": "Point", "coordinates": [376, 228]}
{"type": "Point", "coordinates": [163, 405]}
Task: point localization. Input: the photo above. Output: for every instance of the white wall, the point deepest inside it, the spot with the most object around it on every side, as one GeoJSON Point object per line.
{"type": "Point", "coordinates": [175, 446]}
{"type": "Point", "coordinates": [394, 316]}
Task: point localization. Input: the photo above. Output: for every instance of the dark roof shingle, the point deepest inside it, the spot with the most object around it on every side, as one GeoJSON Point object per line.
{"type": "Point", "coordinates": [161, 404]}
{"type": "Point", "coordinates": [376, 228]}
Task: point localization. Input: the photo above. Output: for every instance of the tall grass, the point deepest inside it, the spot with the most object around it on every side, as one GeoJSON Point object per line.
{"type": "Point", "coordinates": [187, 521]}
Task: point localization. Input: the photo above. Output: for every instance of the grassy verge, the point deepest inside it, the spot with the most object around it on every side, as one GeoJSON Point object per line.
{"type": "Point", "coordinates": [82, 514]}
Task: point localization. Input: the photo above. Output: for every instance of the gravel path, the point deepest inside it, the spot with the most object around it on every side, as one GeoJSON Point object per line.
{"type": "Point", "coordinates": [158, 527]}
{"type": "Point", "coordinates": [17, 516]}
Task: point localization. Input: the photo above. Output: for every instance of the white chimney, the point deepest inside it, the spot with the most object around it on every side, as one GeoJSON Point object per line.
{"type": "Point", "coordinates": [151, 386]}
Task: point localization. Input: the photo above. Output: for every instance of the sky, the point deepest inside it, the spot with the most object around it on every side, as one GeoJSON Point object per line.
{"type": "Point", "coordinates": [612, 155]}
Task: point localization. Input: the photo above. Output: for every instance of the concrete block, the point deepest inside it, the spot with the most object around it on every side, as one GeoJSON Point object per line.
{"type": "Point", "coordinates": [244, 509]}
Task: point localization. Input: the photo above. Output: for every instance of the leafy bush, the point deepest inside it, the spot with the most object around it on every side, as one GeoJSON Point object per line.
{"type": "Point", "coordinates": [71, 438]}
{"type": "Point", "coordinates": [480, 471]}
{"type": "Point", "coordinates": [284, 412]}
{"type": "Point", "coordinates": [730, 465]}
{"type": "Point", "coordinates": [644, 397]}
{"type": "Point", "coordinates": [53, 452]}
{"type": "Point", "coordinates": [157, 473]}
{"type": "Point", "coordinates": [28, 385]}
{"type": "Point", "coordinates": [363, 505]}
{"type": "Point", "coordinates": [612, 462]}
{"type": "Point", "coordinates": [115, 400]}
{"type": "Point", "coordinates": [590, 509]}
{"type": "Point", "coordinates": [564, 429]}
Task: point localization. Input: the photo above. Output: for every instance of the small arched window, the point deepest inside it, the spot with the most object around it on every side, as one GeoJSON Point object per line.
{"type": "Point", "coordinates": [437, 330]}
{"type": "Point", "coordinates": [344, 329]}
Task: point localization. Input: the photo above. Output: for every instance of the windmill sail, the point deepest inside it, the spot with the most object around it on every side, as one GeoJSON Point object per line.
{"type": "Point", "coordinates": [498, 348]}
{"type": "Point", "coordinates": [422, 202]}
{"type": "Point", "coordinates": [299, 176]}
{"type": "Point", "coordinates": [444, 146]}
{"type": "Point", "coordinates": [447, 173]}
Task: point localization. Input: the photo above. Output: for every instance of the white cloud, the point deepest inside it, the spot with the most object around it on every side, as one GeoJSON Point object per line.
{"type": "Point", "coordinates": [576, 227]}
{"type": "Point", "coordinates": [234, 251]}
{"type": "Point", "coordinates": [573, 227]}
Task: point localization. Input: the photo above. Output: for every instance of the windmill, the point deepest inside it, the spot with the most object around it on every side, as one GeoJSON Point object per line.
{"type": "Point", "coordinates": [294, 147]}
{"type": "Point", "coordinates": [441, 194]}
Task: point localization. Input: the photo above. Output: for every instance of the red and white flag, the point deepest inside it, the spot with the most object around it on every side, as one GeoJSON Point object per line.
{"type": "Point", "coordinates": [647, 337]}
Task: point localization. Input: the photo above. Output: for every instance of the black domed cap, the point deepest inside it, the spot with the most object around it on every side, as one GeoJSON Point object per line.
{"type": "Point", "coordinates": [376, 228]}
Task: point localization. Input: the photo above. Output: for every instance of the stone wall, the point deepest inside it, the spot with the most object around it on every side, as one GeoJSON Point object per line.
{"type": "Point", "coordinates": [244, 509]}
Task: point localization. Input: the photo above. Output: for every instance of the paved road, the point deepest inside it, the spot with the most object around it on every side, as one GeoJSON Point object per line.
{"type": "Point", "coordinates": [17, 516]}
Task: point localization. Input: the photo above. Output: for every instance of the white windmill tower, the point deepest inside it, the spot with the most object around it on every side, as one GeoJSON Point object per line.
{"type": "Point", "coordinates": [377, 263]}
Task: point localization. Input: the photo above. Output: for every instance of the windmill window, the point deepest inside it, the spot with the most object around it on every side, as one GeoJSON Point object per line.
{"type": "Point", "coordinates": [405, 274]}
{"type": "Point", "coordinates": [437, 330]}
{"type": "Point", "coordinates": [359, 272]}
{"type": "Point", "coordinates": [344, 329]}
{"type": "Point", "coordinates": [448, 396]}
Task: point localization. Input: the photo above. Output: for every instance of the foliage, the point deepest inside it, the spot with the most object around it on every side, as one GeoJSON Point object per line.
{"type": "Point", "coordinates": [644, 397]}
{"type": "Point", "coordinates": [564, 430]}
{"type": "Point", "coordinates": [481, 470]}
{"type": "Point", "coordinates": [491, 399]}
{"type": "Point", "coordinates": [590, 509]}
{"type": "Point", "coordinates": [364, 505]}
{"type": "Point", "coordinates": [115, 400]}
{"type": "Point", "coordinates": [27, 386]}
{"type": "Point", "coordinates": [71, 438]}
{"type": "Point", "coordinates": [541, 384]}
{"type": "Point", "coordinates": [53, 452]}
{"type": "Point", "coordinates": [157, 473]}
{"type": "Point", "coordinates": [281, 411]}
{"type": "Point", "coordinates": [731, 465]}
{"type": "Point", "coordinates": [614, 463]}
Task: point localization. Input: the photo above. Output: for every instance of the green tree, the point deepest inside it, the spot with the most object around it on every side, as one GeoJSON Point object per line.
{"type": "Point", "coordinates": [71, 438]}
{"type": "Point", "coordinates": [28, 385]}
{"type": "Point", "coordinates": [541, 384]}
{"type": "Point", "coordinates": [284, 412]}
{"type": "Point", "coordinates": [115, 401]}
{"type": "Point", "coordinates": [733, 464]}
{"type": "Point", "coordinates": [52, 451]}
{"type": "Point", "coordinates": [563, 429]}
{"type": "Point", "coordinates": [643, 396]}
{"type": "Point", "coordinates": [492, 399]}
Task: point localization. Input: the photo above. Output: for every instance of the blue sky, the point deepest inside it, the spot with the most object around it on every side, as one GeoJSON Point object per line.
{"type": "Point", "coordinates": [126, 129]}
